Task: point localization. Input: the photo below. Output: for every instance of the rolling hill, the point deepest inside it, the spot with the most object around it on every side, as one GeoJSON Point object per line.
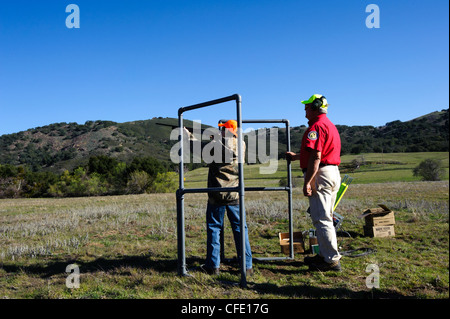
{"type": "Point", "coordinates": [61, 146]}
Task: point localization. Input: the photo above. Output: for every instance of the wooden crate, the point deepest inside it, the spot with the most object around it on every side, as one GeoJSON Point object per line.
{"type": "Point", "coordinates": [299, 245]}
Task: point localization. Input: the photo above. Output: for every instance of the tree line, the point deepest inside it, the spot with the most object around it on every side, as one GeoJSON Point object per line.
{"type": "Point", "coordinates": [102, 175]}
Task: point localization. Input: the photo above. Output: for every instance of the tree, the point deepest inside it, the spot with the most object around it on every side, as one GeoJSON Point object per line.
{"type": "Point", "coordinates": [77, 184]}
{"type": "Point", "coordinates": [139, 182]}
{"type": "Point", "coordinates": [429, 170]}
{"type": "Point", "coordinates": [149, 165]}
{"type": "Point", "coordinates": [102, 165]}
{"type": "Point", "coordinates": [164, 183]}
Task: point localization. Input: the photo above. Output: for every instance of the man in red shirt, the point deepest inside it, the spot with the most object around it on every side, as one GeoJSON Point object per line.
{"type": "Point", "coordinates": [319, 159]}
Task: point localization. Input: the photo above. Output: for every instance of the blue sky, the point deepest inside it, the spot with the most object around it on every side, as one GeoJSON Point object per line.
{"type": "Point", "coordinates": [134, 60]}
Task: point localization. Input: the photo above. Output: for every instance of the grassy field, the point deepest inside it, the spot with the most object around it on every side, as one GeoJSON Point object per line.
{"type": "Point", "coordinates": [378, 168]}
{"type": "Point", "coordinates": [125, 246]}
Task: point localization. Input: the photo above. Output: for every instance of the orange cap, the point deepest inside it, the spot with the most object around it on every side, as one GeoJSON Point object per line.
{"type": "Point", "coordinates": [231, 125]}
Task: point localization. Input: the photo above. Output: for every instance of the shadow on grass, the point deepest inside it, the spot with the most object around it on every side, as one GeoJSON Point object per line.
{"type": "Point", "coordinates": [167, 265]}
{"type": "Point", "coordinates": [313, 292]}
{"type": "Point", "coordinates": [101, 264]}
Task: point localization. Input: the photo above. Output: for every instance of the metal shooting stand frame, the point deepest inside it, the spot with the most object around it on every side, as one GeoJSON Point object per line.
{"type": "Point", "coordinates": [182, 270]}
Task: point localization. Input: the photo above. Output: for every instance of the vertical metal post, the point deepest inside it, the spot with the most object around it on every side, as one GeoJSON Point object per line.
{"type": "Point", "coordinates": [180, 205]}
{"type": "Point", "coordinates": [289, 182]}
{"type": "Point", "coordinates": [241, 191]}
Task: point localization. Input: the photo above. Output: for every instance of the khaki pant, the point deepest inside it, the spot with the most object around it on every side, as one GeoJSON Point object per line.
{"type": "Point", "coordinates": [325, 187]}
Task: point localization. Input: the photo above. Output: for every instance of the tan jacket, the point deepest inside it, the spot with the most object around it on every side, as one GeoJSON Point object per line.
{"type": "Point", "coordinates": [225, 173]}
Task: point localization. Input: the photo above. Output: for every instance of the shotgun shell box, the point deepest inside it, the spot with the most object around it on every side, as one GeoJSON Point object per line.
{"type": "Point", "coordinates": [379, 222]}
{"type": "Point", "coordinates": [379, 231]}
{"type": "Point", "coordinates": [299, 246]}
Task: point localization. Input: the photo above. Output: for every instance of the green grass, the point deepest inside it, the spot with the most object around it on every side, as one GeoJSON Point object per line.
{"type": "Point", "coordinates": [380, 168]}
{"type": "Point", "coordinates": [126, 246]}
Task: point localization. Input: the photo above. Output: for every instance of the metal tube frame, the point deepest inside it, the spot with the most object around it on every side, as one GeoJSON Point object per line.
{"type": "Point", "coordinates": [181, 190]}
{"type": "Point", "coordinates": [288, 188]}
{"type": "Point", "coordinates": [182, 269]}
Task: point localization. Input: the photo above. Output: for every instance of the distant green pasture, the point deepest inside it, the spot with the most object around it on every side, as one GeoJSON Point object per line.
{"type": "Point", "coordinates": [378, 168]}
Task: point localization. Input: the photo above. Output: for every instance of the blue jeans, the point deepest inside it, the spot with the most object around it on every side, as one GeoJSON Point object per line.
{"type": "Point", "coordinates": [214, 223]}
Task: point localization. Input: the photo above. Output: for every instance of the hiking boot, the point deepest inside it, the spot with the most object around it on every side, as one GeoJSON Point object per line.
{"type": "Point", "coordinates": [314, 259]}
{"type": "Point", "coordinates": [324, 266]}
{"type": "Point", "coordinates": [249, 272]}
{"type": "Point", "coordinates": [210, 270]}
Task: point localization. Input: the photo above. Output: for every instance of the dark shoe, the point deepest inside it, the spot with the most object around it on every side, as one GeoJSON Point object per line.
{"type": "Point", "coordinates": [209, 270]}
{"type": "Point", "coordinates": [324, 266]}
{"type": "Point", "coordinates": [249, 272]}
{"type": "Point", "coordinates": [314, 259]}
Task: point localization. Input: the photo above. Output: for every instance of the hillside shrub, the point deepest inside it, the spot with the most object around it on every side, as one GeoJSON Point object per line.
{"type": "Point", "coordinates": [164, 183]}
{"type": "Point", "coordinates": [138, 183]}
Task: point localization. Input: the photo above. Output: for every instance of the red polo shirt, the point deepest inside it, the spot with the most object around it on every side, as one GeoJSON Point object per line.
{"type": "Point", "coordinates": [322, 136]}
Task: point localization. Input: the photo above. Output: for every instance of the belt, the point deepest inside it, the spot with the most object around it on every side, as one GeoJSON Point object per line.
{"type": "Point", "coordinates": [320, 165]}
{"type": "Point", "coordinates": [323, 164]}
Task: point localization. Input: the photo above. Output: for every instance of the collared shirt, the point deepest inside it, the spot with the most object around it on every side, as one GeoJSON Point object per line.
{"type": "Point", "coordinates": [322, 136]}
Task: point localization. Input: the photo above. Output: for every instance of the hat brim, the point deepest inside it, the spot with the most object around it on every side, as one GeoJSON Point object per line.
{"type": "Point", "coordinates": [229, 129]}
{"type": "Point", "coordinates": [311, 99]}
